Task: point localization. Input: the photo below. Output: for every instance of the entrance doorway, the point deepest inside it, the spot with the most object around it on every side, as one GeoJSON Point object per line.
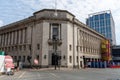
{"type": "Point", "coordinates": [54, 59]}
{"type": "Point", "coordinates": [81, 64]}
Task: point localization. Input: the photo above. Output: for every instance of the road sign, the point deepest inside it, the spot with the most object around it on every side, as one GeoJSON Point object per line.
{"type": "Point", "coordinates": [9, 62]}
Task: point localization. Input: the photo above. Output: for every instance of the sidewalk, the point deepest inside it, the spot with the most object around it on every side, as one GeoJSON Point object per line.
{"type": "Point", "coordinates": [51, 68]}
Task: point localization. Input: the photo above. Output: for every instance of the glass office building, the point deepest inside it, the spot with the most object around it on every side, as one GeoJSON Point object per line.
{"type": "Point", "coordinates": [103, 23]}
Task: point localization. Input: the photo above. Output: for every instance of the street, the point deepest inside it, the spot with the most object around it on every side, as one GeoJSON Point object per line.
{"type": "Point", "coordinates": [65, 74]}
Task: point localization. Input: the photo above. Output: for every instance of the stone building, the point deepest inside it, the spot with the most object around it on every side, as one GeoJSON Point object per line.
{"type": "Point", "coordinates": [76, 43]}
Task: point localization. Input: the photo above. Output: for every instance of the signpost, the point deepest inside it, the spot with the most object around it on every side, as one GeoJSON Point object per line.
{"type": "Point", "coordinates": [2, 57]}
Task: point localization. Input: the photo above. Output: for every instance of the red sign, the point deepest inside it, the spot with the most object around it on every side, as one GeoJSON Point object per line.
{"type": "Point", "coordinates": [9, 65]}
{"type": "Point", "coordinates": [8, 59]}
{"type": "Point", "coordinates": [9, 62]}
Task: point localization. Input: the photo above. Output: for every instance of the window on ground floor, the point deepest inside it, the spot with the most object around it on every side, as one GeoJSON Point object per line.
{"type": "Point", "coordinates": [70, 59]}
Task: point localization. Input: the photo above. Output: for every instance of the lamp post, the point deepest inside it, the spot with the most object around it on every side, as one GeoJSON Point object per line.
{"type": "Point", "coordinates": [55, 42]}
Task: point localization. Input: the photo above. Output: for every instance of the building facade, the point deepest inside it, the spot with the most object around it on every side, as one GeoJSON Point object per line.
{"type": "Point", "coordinates": [34, 37]}
{"type": "Point", "coordinates": [116, 54]}
{"type": "Point", "coordinates": [103, 23]}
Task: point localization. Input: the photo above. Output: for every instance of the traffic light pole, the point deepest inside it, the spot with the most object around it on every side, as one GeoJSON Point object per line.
{"type": "Point", "coordinates": [55, 47]}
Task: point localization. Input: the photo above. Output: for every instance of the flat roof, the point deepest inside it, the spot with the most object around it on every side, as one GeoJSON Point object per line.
{"type": "Point", "coordinates": [59, 10]}
{"type": "Point", "coordinates": [101, 12]}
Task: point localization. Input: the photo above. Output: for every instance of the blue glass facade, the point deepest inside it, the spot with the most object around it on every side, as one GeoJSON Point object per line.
{"type": "Point", "coordinates": [102, 23]}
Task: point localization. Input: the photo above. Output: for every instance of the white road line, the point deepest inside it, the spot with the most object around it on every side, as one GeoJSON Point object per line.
{"type": "Point", "coordinates": [21, 75]}
{"type": "Point", "coordinates": [55, 75]}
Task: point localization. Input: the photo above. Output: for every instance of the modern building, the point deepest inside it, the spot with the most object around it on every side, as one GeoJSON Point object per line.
{"type": "Point", "coordinates": [103, 23]}
{"type": "Point", "coordinates": [45, 35]}
{"type": "Point", "coordinates": [116, 54]}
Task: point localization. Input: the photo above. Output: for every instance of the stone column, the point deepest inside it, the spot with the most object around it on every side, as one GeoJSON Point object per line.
{"type": "Point", "coordinates": [19, 39]}
{"type": "Point", "coordinates": [15, 37]}
{"type": "Point", "coordinates": [23, 36]}
{"type": "Point", "coordinates": [5, 39]}
{"type": "Point", "coordinates": [12, 38]}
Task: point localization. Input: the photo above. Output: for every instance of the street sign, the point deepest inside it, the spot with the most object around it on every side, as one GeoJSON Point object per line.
{"type": "Point", "coordinates": [9, 62]}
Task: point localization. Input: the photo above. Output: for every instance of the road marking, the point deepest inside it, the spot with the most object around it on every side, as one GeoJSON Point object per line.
{"type": "Point", "coordinates": [55, 75]}
{"type": "Point", "coordinates": [21, 75]}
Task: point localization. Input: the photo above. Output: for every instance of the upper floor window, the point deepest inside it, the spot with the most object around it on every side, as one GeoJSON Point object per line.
{"type": "Point", "coordinates": [70, 59]}
{"type": "Point", "coordinates": [55, 31]}
{"type": "Point", "coordinates": [38, 46]}
{"type": "Point", "coordinates": [70, 47]}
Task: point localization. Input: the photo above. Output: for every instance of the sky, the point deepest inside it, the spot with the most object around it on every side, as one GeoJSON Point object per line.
{"type": "Point", "coordinates": [15, 10]}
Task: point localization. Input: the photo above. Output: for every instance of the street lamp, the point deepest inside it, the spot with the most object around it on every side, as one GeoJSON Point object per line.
{"type": "Point", "coordinates": [55, 42]}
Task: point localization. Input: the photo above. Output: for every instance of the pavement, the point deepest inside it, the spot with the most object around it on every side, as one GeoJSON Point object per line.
{"type": "Point", "coordinates": [65, 74]}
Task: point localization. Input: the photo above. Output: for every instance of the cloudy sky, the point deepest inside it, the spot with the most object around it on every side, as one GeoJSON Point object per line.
{"type": "Point", "coordinates": [14, 10]}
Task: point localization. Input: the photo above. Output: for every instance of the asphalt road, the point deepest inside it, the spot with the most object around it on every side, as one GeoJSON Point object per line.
{"type": "Point", "coordinates": [65, 74]}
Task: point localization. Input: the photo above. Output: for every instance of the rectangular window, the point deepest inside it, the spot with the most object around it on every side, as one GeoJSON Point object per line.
{"type": "Point", "coordinates": [80, 48]}
{"type": "Point", "coordinates": [37, 56]}
{"type": "Point", "coordinates": [77, 59]}
{"type": "Point", "coordinates": [107, 15]}
{"type": "Point", "coordinates": [23, 58]}
{"type": "Point", "coordinates": [101, 16]}
{"type": "Point", "coordinates": [12, 48]}
{"type": "Point", "coordinates": [108, 22]}
{"type": "Point", "coordinates": [38, 46]}
{"type": "Point", "coordinates": [15, 48]}
{"type": "Point", "coordinates": [70, 59]}
{"type": "Point", "coordinates": [70, 47]}
{"type": "Point", "coordinates": [19, 58]}
{"type": "Point", "coordinates": [55, 30]}
{"type": "Point", "coordinates": [29, 47]}
{"type": "Point", "coordinates": [91, 18]}
{"type": "Point", "coordinates": [96, 17]}
{"type": "Point", "coordinates": [24, 47]}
